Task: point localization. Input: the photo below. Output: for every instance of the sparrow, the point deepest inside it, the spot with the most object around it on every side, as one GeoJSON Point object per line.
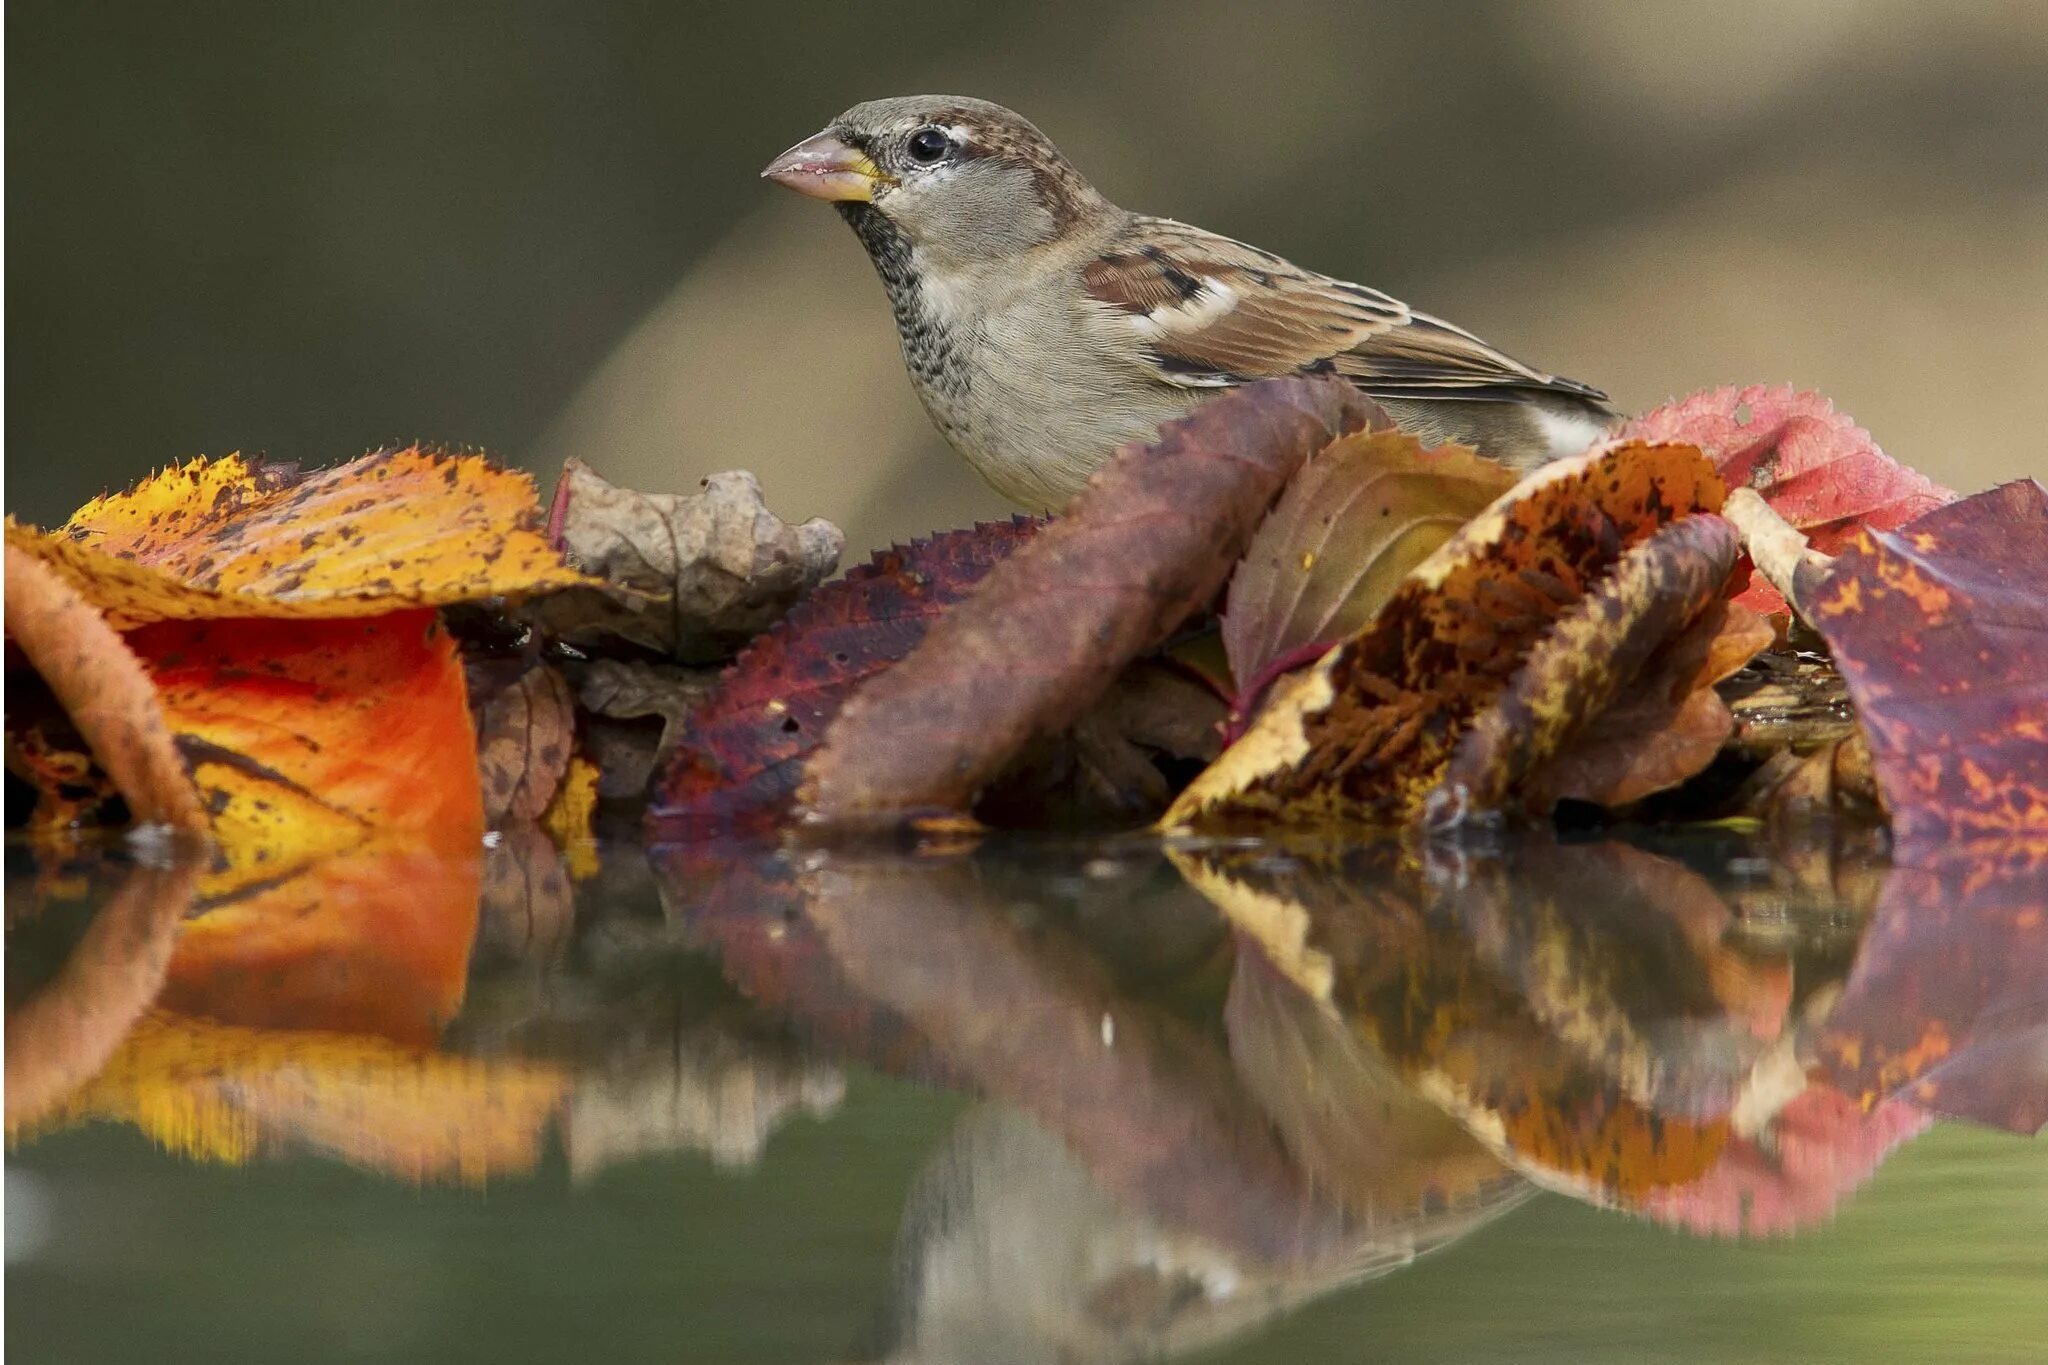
{"type": "Point", "coordinates": [1044, 327]}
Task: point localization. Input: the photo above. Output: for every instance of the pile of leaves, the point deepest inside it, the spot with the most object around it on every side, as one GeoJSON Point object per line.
{"type": "Point", "coordinates": [1284, 612]}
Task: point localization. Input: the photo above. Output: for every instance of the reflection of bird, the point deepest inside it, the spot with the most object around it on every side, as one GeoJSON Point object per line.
{"type": "Point", "coordinates": [1043, 326]}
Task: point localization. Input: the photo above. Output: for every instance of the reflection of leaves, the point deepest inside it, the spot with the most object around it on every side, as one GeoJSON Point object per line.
{"type": "Point", "coordinates": [1366, 734]}
{"type": "Point", "coordinates": [1148, 543]}
{"type": "Point", "coordinates": [1576, 1010]}
{"type": "Point", "coordinates": [60, 1037]}
{"type": "Point", "coordinates": [1145, 1099]}
{"type": "Point", "coordinates": [1942, 634]}
{"type": "Point", "coordinates": [1351, 524]}
{"type": "Point", "coordinates": [224, 1093]}
{"type": "Point", "coordinates": [225, 539]}
{"type": "Point", "coordinates": [1947, 1005]}
{"type": "Point", "coordinates": [744, 750]}
{"type": "Point", "coordinates": [375, 941]}
{"type": "Point", "coordinates": [688, 576]}
{"type": "Point", "coordinates": [1353, 1125]}
{"type": "Point", "coordinates": [1814, 466]}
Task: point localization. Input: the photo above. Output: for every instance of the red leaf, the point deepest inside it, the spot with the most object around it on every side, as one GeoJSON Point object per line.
{"type": "Point", "coordinates": [1813, 465]}
{"type": "Point", "coordinates": [1941, 634]}
{"type": "Point", "coordinates": [745, 748]}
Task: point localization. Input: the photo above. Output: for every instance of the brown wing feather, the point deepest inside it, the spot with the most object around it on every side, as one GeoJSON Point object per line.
{"type": "Point", "coordinates": [1212, 311]}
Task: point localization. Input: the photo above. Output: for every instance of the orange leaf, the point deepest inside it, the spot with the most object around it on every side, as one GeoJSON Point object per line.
{"type": "Point", "coordinates": [226, 539]}
{"type": "Point", "coordinates": [306, 737]}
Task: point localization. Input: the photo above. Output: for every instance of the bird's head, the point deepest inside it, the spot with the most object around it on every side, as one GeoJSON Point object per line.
{"type": "Point", "coordinates": [961, 180]}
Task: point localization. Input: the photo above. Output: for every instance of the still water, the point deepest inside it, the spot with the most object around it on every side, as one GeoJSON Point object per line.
{"type": "Point", "coordinates": [1047, 1102]}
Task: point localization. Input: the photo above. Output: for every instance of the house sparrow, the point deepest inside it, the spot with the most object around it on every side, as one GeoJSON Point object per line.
{"type": "Point", "coordinates": [1044, 326]}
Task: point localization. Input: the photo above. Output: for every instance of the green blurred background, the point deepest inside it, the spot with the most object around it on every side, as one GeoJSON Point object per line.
{"type": "Point", "coordinates": [308, 229]}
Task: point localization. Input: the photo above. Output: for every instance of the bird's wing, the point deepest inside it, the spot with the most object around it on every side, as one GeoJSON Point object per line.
{"type": "Point", "coordinates": [1205, 311]}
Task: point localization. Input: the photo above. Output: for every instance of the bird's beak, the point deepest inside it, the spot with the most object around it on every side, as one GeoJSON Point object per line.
{"type": "Point", "coordinates": [826, 168]}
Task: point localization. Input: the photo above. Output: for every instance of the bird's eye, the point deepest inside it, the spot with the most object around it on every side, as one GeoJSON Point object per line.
{"type": "Point", "coordinates": [928, 146]}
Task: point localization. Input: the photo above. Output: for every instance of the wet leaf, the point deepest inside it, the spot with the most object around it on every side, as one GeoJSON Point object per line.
{"type": "Point", "coordinates": [1667, 726]}
{"type": "Point", "coordinates": [1941, 632]}
{"type": "Point", "coordinates": [1357, 517]}
{"type": "Point", "coordinates": [743, 752]}
{"type": "Point", "coordinates": [222, 1093]}
{"type": "Point", "coordinates": [1813, 465]}
{"type": "Point", "coordinates": [1365, 735]}
{"type": "Point", "coordinates": [215, 539]}
{"type": "Point", "coordinates": [688, 576]}
{"type": "Point", "coordinates": [103, 689]}
{"type": "Point", "coordinates": [525, 736]}
{"type": "Point", "coordinates": [1148, 543]}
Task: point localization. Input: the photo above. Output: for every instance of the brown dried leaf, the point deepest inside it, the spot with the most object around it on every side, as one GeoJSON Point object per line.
{"type": "Point", "coordinates": [1667, 726]}
{"type": "Point", "coordinates": [1364, 736]}
{"type": "Point", "coordinates": [633, 690]}
{"type": "Point", "coordinates": [1357, 517]}
{"type": "Point", "coordinates": [1148, 543]}
{"type": "Point", "coordinates": [525, 735]}
{"type": "Point", "coordinates": [692, 577]}
{"type": "Point", "coordinates": [1590, 655]}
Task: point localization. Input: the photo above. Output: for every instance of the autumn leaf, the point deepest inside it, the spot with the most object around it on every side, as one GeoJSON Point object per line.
{"type": "Point", "coordinates": [526, 734]}
{"type": "Point", "coordinates": [743, 751]}
{"type": "Point", "coordinates": [688, 576]}
{"type": "Point", "coordinates": [1592, 653]}
{"type": "Point", "coordinates": [1357, 517]}
{"type": "Point", "coordinates": [104, 690]}
{"type": "Point", "coordinates": [634, 717]}
{"type": "Point", "coordinates": [1941, 632]}
{"type": "Point", "coordinates": [219, 1092]}
{"type": "Point", "coordinates": [215, 539]}
{"type": "Point", "coordinates": [1667, 726]}
{"type": "Point", "coordinates": [1814, 466]}
{"type": "Point", "coordinates": [1148, 543]}
{"type": "Point", "coordinates": [309, 737]}
{"type": "Point", "coordinates": [1365, 735]}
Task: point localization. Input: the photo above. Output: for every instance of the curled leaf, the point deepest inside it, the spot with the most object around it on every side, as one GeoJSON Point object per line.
{"type": "Point", "coordinates": [1667, 726]}
{"type": "Point", "coordinates": [1365, 735]}
{"type": "Point", "coordinates": [1148, 543]}
{"type": "Point", "coordinates": [100, 684]}
{"type": "Point", "coordinates": [1357, 517]}
{"type": "Point", "coordinates": [689, 576]}
{"type": "Point", "coordinates": [1592, 652]}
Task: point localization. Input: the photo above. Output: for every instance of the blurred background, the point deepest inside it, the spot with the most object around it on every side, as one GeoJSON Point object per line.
{"type": "Point", "coordinates": [311, 229]}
